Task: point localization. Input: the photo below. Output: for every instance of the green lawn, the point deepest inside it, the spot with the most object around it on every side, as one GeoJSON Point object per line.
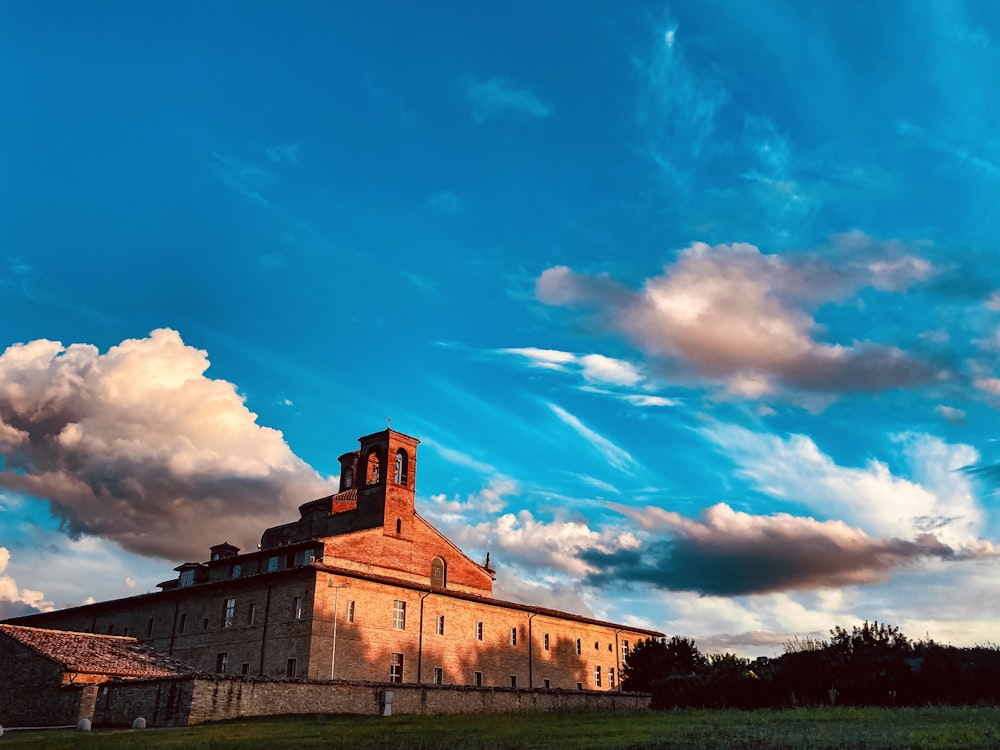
{"type": "Point", "coordinates": [799, 728]}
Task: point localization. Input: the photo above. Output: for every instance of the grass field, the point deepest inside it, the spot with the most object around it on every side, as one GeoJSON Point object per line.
{"type": "Point", "coordinates": [799, 728]}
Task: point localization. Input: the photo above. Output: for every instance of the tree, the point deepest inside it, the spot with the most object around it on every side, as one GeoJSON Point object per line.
{"type": "Point", "coordinates": [651, 662]}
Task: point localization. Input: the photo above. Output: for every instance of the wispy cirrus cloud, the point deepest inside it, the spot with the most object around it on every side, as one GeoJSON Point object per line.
{"type": "Point", "coordinates": [734, 315]}
{"type": "Point", "coordinates": [499, 97]}
{"type": "Point", "coordinates": [615, 456]}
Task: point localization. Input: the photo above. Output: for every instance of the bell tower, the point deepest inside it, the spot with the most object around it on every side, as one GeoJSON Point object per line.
{"type": "Point", "coordinates": [386, 474]}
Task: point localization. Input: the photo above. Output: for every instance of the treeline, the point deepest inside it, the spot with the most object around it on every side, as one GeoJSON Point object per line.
{"type": "Point", "coordinates": [871, 665]}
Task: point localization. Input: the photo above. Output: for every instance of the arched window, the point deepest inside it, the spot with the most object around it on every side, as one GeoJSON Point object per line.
{"type": "Point", "coordinates": [438, 573]}
{"type": "Point", "coordinates": [373, 468]}
{"type": "Point", "coordinates": [399, 525]}
{"type": "Point", "coordinates": [402, 468]}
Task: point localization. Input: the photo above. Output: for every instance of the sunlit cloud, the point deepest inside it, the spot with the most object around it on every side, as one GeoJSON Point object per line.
{"type": "Point", "coordinates": [139, 447]}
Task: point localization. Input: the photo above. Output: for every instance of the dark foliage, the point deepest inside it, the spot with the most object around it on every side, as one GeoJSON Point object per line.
{"type": "Point", "coordinates": [870, 665]}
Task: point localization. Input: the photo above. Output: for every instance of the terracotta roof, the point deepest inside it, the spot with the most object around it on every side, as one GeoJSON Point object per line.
{"type": "Point", "coordinates": [90, 653]}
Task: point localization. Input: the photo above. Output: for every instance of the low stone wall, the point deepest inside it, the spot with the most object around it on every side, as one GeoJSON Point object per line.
{"type": "Point", "coordinates": [192, 700]}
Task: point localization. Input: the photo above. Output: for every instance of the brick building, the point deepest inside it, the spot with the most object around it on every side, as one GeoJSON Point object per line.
{"type": "Point", "coordinates": [360, 587]}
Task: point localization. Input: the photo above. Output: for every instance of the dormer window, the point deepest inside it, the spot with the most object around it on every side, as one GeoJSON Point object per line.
{"type": "Point", "coordinates": [402, 468]}
{"type": "Point", "coordinates": [373, 468]}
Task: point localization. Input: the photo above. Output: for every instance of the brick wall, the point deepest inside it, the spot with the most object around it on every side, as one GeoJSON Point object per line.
{"type": "Point", "coordinates": [193, 700]}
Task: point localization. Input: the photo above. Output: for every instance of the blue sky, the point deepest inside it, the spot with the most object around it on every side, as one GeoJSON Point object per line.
{"type": "Point", "coordinates": [692, 305]}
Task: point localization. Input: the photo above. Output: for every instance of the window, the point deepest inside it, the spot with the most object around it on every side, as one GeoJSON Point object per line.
{"type": "Point", "coordinates": [220, 662]}
{"type": "Point", "coordinates": [125, 631]}
{"type": "Point", "coordinates": [245, 668]}
{"type": "Point", "coordinates": [610, 647]}
{"type": "Point", "coordinates": [513, 636]}
{"type": "Point", "coordinates": [546, 684]}
{"type": "Point", "coordinates": [597, 676]}
{"type": "Point", "coordinates": [399, 615]}
{"type": "Point", "coordinates": [401, 467]}
{"type": "Point", "coordinates": [440, 625]}
{"type": "Point", "coordinates": [348, 479]}
{"type": "Point", "coordinates": [479, 631]}
{"type": "Point", "coordinates": [228, 612]}
{"type": "Point", "coordinates": [438, 573]}
{"type": "Point", "coordinates": [251, 613]}
{"type": "Point", "coordinates": [149, 628]}
{"type": "Point", "coordinates": [545, 641]}
{"type": "Point", "coordinates": [578, 647]}
{"type": "Point", "coordinates": [579, 686]}
{"type": "Point", "coordinates": [272, 563]}
{"type": "Point", "coordinates": [204, 624]}
{"type": "Point", "coordinates": [350, 610]}
{"type": "Point", "coordinates": [372, 468]}
{"type": "Point", "coordinates": [513, 680]}
{"type": "Point", "coordinates": [237, 570]}
{"type": "Point", "coordinates": [111, 629]}
{"type": "Point", "coordinates": [297, 608]}
{"type": "Point", "coordinates": [396, 668]}
{"type": "Point", "coordinates": [611, 676]}
{"type": "Point", "coordinates": [624, 649]}
{"type": "Point", "coordinates": [183, 622]}
{"type": "Point", "coordinates": [291, 668]}
{"type": "Point", "coordinates": [399, 525]}
{"type": "Point", "coordinates": [477, 679]}
{"type": "Point", "coordinates": [597, 646]}
{"type": "Point", "coordinates": [438, 676]}
{"type": "Point", "coordinates": [187, 577]}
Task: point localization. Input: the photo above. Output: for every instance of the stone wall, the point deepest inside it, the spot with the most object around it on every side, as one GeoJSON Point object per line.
{"type": "Point", "coordinates": [193, 700]}
{"type": "Point", "coordinates": [31, 689]}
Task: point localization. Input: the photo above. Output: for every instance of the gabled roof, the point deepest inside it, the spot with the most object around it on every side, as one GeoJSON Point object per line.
{"type": "Point", "coordinates": [90, 653]}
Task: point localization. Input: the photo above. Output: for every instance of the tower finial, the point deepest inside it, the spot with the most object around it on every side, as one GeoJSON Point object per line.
{"type": "Point", "coordinates": [388, 423]}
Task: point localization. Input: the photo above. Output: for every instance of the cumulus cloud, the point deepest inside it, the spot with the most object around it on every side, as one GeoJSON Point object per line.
{"type": "Point", "coordinates": [729, 553]}
{"type": "Point", "coordinates": [499, 97]}
{"type": "Point", "coordinates": [739, 316]}
{"type": "Point", "coordinates": [138, 446]}
{"type": "Point", "coordinates": [15, 602]}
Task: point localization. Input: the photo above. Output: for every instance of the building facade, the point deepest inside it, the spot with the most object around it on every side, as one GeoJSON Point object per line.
{"type": "Point", "coordinates": [360, 587]}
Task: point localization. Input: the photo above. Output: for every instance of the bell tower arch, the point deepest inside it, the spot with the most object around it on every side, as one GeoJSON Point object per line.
{"type": "Point", "coordinates": [386, 480]}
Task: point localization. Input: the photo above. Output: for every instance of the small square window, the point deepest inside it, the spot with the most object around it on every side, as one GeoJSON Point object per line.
{"type": "Point", "coordinates": [350, 610]}
{"type": "Point", "coordinates": [438, 675]}
{"type": "Point", "coordinates": [439, 628]}
{"type": "Point", "coordinates": [479, 631]}
{"type": "Point", "coordinates": [546, 684]}
{"type": "Point", "coordinates": [579, 686]}
{"type": "Point", "coordinates": [477, 679]}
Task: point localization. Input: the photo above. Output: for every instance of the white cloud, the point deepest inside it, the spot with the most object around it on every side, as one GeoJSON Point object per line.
{"type": "Point", "coordinates": [794, 468]}
{"type": "Point", "coordinates": [15, 601]}
{"type": "Point", "coordinates": [498, 97]}
{"type": "Point", "coordinates": [615, 456]}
